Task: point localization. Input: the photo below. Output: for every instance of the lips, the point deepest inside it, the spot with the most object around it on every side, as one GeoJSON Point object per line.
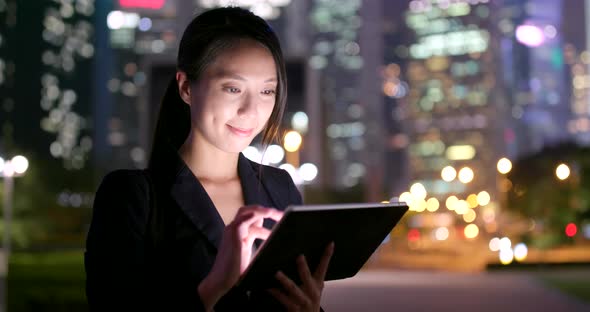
{"type": "Point", "coordinates": [240, 131]}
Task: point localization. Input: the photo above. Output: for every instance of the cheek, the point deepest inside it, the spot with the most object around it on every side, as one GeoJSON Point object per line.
{"type": "Point", "coordinates": [266, 112]}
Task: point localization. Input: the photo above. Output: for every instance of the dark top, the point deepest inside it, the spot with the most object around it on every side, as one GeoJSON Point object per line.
{"type": "Point", "coordinates": [126, 267]}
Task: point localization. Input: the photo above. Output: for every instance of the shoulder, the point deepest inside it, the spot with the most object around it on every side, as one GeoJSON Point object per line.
{"type": "Point", "coordinates": [269, 172]}
{"type": "Point", "coordinates": [124, 177]}
{"type": "Point", "coordinates": [123, 185]}
{"type": "Point", "coordinates": [123, 192]}
{"type": "Point", "coordinates": [279, 180]}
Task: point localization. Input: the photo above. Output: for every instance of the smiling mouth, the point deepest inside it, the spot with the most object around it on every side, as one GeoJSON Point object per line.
{"type": "Point", "coordinates": [240, 132]}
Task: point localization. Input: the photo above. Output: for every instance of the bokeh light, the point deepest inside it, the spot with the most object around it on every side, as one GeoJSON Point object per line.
{"type": "Point", "coordinates": [571, 229]}
{"type": "Point", "coordinates": [472, 200]}
{"type": "Point", "coordinates": [292, 141]}
{"type": "Point", "coordinates": [466, 175]}
{"type": "Point", "coordinates": [252, 153]}
{"type": "Point", "coordinates": [441, 233]}
{"type": "Point", "coordinates": [418, 191]}
{"type": "Point", "coordinates": [504, 165]}
{"type": "Point", "coordinates": [406, 197]}
{"type": "Point", "coordinates": [562, 171]}
{"type": "Point", "coordinates": [471, 231]}
{"type": "Point", "coordinates": [506, 256]}
{"type": "Point", "coordinates": [20, 164]}
{"type": "Point", "coordinates": [419, 204]}
{"type": "Point", "coordinates": [483, 198]}
{"type": "Point", "coordinates": [274, 154]}
{"type": "Point", "coordinates": [432, 204]}
{"type": "Point", "coordinates": [413, 235]}
{"type": "Point", "coordinates": [494, 244]}
{"type": "Point", "coordinates": [520, 252]}
{"type": "Point", "coordinates": [451, 202]}
{"type": "Point", "coordinates": [448, 173]}
{"type": "Point", "coordinates": [461, 207]}
{"type": "Point", "coordinates": [300, 122]}
{"type": "Point", "coordinates": [530, 35]}
{"type": "Point", "coordinates": [308, 172]}
{"type": "Point", "coordinates": [505, 243]}
{"type": "Point", "coordinates": [469, 216]}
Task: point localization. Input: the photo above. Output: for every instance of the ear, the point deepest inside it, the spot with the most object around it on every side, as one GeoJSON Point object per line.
{"type": "Point", "coordinates": [184, 87]}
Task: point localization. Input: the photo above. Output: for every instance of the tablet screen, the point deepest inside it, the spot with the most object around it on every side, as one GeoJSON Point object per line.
{"type": "Point", "coordinates": [357, 230]}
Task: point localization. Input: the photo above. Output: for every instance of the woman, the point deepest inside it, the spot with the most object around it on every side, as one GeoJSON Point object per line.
{"type": "Point", "coordinates": [173, 237]}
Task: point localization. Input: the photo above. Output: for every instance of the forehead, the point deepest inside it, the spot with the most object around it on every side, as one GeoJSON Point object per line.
{"type": "Point", "coordinates": [245, 58]}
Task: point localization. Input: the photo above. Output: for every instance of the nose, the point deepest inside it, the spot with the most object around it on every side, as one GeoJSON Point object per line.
{"type": "Point", "coordinates": [248, 107]}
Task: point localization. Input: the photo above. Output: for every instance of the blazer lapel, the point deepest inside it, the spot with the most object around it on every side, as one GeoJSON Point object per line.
{"type": "Point", "coordinates": [193, 200]}
{"type": "Point", "coordinates": [254, 188]}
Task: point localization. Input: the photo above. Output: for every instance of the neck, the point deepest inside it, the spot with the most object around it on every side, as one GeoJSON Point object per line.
{"type": "Point", "coordinates": [207, 162]}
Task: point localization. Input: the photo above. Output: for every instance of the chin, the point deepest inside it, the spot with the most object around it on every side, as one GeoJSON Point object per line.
{"type": "Point", "coordinates": [236, 146]}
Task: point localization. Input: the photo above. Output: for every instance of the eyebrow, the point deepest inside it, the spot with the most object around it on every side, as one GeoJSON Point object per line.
{"type": "Point", "coordinates": [225, 74]}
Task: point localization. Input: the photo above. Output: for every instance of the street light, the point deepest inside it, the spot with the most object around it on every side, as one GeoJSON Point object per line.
{"type": "Point", "coordinates": [9, 169]}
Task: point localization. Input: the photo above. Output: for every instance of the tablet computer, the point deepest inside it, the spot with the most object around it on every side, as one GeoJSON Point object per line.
{"type": "Point", "coordinates": [356, 230]}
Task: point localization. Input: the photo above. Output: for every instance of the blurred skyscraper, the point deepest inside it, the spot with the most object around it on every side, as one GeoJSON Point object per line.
{"type": "Point", "coordinates": [455, 112]}
{"type": "Point", "coordinates": [134, 34]}
{"type": "Point", "coordinates": [344, 99]}
{"type": "Point", "coordinates": [532, 49]}
{"type": "Point", "coordinates": [46, 48]}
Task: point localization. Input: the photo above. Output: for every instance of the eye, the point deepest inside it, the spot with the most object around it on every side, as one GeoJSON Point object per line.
{"type": "Point", "coordinates": [231, 89]}
{"type": "Point", "coordinates": [269, 92]}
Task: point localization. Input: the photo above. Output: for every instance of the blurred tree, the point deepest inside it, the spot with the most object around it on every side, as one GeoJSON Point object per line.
{"type": "Point", "coordinates": [40, 218]}
{"type": "Point", "coordinates": [538, 194]}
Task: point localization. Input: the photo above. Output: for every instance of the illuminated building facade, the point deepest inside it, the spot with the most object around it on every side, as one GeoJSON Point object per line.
{"type": "Point", "coordinates": [136, 34]}
{"type": "Point", "coordinates": [577, 60]}
{"type": "Point", "coordinates": [455, 112]}
{"type": "Point", "coordinates": [532, 52]}
{"type": "Point", "coordinates": [344, 100]}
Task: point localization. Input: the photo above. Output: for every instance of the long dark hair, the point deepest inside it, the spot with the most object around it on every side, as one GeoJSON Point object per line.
{"type": "Point", "coordinates": [209, 34]}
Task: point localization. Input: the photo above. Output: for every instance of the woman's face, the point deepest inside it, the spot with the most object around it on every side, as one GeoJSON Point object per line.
{"type": "Point", "coordinates": [235, 96]}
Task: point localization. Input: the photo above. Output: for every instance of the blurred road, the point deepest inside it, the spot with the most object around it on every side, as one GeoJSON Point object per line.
{"type": "Point", "coordinates": [375, 290]}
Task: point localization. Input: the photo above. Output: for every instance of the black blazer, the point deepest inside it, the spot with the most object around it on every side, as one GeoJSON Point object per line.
{"type": "Point", "coordinates": [128, 268]}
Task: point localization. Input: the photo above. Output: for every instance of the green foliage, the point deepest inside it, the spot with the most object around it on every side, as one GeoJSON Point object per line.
{"type": "Point", "coordinates": [53, 281]}
{"type": "Point", "coordinates": [536, 192]}
{"type": "Point", "coordinates": [38, 219]}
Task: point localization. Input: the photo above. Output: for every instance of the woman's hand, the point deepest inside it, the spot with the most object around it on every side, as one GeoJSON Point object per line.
{"type": "Point", "coordinates": [235, 251]}
{"type": "Point", "coordinates": [307, 296]}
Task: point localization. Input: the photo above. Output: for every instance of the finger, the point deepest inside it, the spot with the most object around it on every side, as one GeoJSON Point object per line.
{"type": "Point", "coordinates": [256, 215]}
{"type": "Point", "coordinates": [282, 298]}
{"type": "Point", "coordinates": [309, 283]}
{"type": "Point", "coordinates": [320, 272]}
{"type": "Point", "coordinates": [293, 290]}
{"type": "Point", "coordinates": [257, 232]}
{"type": "Point", "coordinates": [303, 269]}
{"type": "Point", "coordinates": [266, 212]}
{"type": "Point", "coordinates": [235, 224]}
